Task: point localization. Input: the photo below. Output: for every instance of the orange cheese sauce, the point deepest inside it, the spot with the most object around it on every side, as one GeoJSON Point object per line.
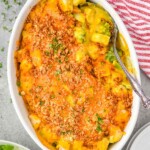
{"type": "Point", "coordinates": [75, 91]}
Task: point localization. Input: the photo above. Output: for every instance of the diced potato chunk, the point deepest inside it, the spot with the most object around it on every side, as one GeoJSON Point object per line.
{"type": "Point", "coordinates": [80, 17]}
{"type": "Point", "coordinates": [51, 6]}
{"type": "Point", "coordinates": [25, 65]}
{"type": "Point", "coordinates": [20, 54]}
{"type": "Point", "coordinates": [79, 34]}
{"type": "Point", "coordinates": [77, 145]}
{"type": "Point", "coordinates": [93, 51]}
{"type": "Point", "coordinates": [78, 2]}
{"type": "Point", "coordinates": [70, 100]}
{"type": "Point", "coordinates": [46, 133]}
{"type": "Point", "coordinates": [26, 82]}
{"type": "Point", "coordinates": [122, 116]}
{"type": "Point", "coordinates": [80, 55]}
{"type": "Point", "coordinates": [119, 90]}
{"type": "Point", "coordinates": [103, 144]}
{"type": "Point", "coordinates": [116, 78]}
{"type": "Point", "coordinates": [81, 99]}
{"type": "Point", "coordinates": [36, 57]}
{"type": "Point", "coordinates": [121, 44]}
{"type": "Point", "coordinates": [66, 5]}
{"type": "Point", "coordinates": [35, 120]}
{"type": "Point", "coordinates": [100, 38]}
{"type": "Point", "coordinates": [89, 14]}
{"type": "Point", "coordinates": [63, 145]}
{"type": "Point", "coordinates": [115, 134]}
{"type": "Point", "coordinates": [26, 35]}
{"type": "Point", "coordinates": [101, 13]}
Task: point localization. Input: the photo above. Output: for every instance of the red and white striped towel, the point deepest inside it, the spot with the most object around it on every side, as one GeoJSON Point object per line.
{"type": "Point", "coordinates": [136, 16]}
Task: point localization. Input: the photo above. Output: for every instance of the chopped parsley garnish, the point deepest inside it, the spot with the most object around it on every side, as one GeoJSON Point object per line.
{"type": "Point", "coordinates": [47, 53]}
{"type": "Point", "coordinates": [66, 132]}
{"type": "Point", "coordinates": [18, 83]}
{"type": "Point", "coordinates": [2, 49]}
{"type": "Point", "coordinates": [52, 96]}
{"type": "Point", "coordinates": [17, 2]}
{"type": "Point", "coordinates": [41, 103]}
{"type": "Point", "coordinates": [55, 45]}
{"type": "Point", "coordinates": [58, 72]}
{"type": "Point", "coordinates": [83, 110]}
{"type": "Point", "coordinates": [6, 29]}
{"type": "Point", "coordinates": [58, 60]}
{"type": "Point", "coordinates": [99, 119]}
{"type": "Point", "coordinates": [5, 2]}
{"type": "Point", "coordinates": [66, 59]}
{"type": "Point", "coordinates": [81, 71]}
{"type": "Point", "coordinates": [98, 128]}
{"type": "Point", "coordinates": [11, 20]}
{"type": "Point", "coordinates": [99, 122]}
{"type": "Point", "coordinates": [4, 15]}
{"type": "Point", "coordinates": [20, 93]}
{"type": "Point", "coordinates": [1, 65]}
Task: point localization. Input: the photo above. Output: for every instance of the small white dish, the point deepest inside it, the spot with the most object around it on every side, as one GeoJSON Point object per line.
{"type": "Point", "coordinates": [16, 146]}
{"type": "Point", "coordinates": [140, 141]}
{"type": "Point", "coordinates": [18, 101]}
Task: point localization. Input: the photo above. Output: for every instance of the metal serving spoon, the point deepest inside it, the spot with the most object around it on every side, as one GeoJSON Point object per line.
{"type": "Point", "coordinates": [133, 81]}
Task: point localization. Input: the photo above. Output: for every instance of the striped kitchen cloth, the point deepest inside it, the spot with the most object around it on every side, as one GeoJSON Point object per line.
{"type": "Point", "coordinates": [136, 16]}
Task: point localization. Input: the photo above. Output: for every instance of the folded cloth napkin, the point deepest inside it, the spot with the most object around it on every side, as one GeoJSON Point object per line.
{"type": "Point", "coordinates": [136, 16]}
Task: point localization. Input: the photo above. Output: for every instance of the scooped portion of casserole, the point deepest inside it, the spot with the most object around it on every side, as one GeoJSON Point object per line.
{"type": "Point", "coordinates": [76, 93]}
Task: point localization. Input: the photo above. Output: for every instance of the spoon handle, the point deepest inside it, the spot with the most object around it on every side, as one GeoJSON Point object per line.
{"type": "Point", "coordinates": [133, 81]}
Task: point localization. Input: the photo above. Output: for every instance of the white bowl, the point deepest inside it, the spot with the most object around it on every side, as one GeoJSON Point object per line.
{"type": "Point", "coordinates": [17, 146]}
{"type": "Point", "coordinates": [18, 101]}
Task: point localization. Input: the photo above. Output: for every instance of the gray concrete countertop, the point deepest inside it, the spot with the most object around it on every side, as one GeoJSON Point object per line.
{"type": "Point", "coordinates": [10, 126]}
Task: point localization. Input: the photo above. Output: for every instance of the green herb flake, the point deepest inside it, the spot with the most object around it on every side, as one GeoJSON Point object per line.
{"type": "Point", "coordinates": [17, 2]}
{"type": "Point", "coordinates": [99, 122]}
{"type": "Point", "coordinates": [1, 65]}
{"type": "Point", "coordinates": [11, 20]}
{"type": "Point", "coordinates": [55, 45]}
{"type": "Point", "coordinates": [4, 15]}
{"type": "Point", "coordinates": [52, 96]}
{"type": "Point", "coordinates": [5, 2]}
{"type": "Point", "coordinates": [58, 72]}
{"type": "Point", "coordinates": [41, 103]}
{"type": "Point", "coordinates": [18, 83]}
{"type": "Point", "coordinates": [8, 6]}
{"type": "Point", "coordinates": [98, 128]}
{"type": "Point", "coordinates": [65, 132]}
{"type": "Point", "coordinates": [66, 59]}
{"type": "Point", "coordinates": [99, 119]}
{"type": "Point", "coordinates": [2, 49]}
{"type": "Point", "coordinates": [47, 53]}
{"type": "Point", "coordinates": [81, 71]}
{"type": "Point", "coordinates": [5, 28]}
{"type": "Point", "coordinates": [58, 60]}
{"type": "Point", "coordinates": [83, 110]}
{"type": "Point", "coordinates": [20, 93]}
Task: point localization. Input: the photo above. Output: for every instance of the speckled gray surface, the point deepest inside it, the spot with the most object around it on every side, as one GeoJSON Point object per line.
{"type": "Point", "coordinates": [10, 126]}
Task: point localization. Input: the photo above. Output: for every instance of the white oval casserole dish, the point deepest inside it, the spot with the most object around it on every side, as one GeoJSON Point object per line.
{"type": "Point", "coordinates": [18, 101]}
